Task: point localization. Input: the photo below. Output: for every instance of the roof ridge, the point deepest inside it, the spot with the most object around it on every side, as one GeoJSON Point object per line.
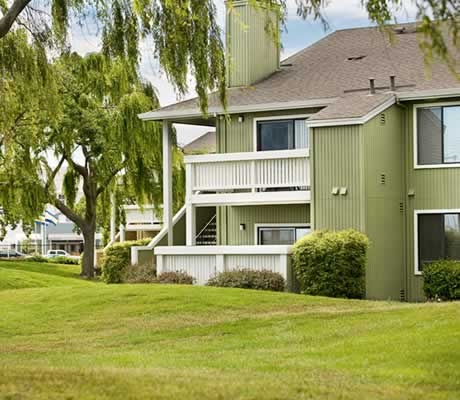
{"type": "Point", "coordinates": [356, 28]}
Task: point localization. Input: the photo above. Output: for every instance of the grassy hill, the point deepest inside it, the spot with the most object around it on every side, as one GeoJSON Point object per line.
{"type": "Point", "coordinates": [91, 341]}
{"type": "Point", "coordinates": [21, 274]}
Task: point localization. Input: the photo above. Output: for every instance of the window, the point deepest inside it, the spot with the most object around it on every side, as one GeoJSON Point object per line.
{"type": "Point", "coordinates": [438, 238]}
{"type": "Point", "coordinates": [438, 135]}
{"type": "Point", "coordinates": [282, 135]}
{"type": "Point", "coordinates": [280, 235]}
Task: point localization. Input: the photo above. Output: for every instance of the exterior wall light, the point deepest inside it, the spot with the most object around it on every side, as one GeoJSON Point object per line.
{"type": "Point", "coordinates": [242, 227]}
{"type": "Point", "coordinates": [241, 119]}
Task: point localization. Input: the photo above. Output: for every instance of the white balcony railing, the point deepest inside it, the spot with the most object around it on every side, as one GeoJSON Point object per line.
{"type": "Point", "coordinates": [138, 218]}
{"type": "Point", "coordinates": [248, 172]}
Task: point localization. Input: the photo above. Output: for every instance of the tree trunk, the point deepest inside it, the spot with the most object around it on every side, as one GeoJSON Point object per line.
{"type": "Point", "coordinates": [87, 268]}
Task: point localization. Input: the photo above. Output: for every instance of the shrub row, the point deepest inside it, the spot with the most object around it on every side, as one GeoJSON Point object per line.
{"type": "Point", "coordinates": [249, 279]}
{"type": "Point", "coordinates": [53, 260]}
{"type": "Point", "coordinates": [441, 280]}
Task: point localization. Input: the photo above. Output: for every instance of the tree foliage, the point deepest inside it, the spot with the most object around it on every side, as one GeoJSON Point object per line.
{"type": "Point", "coordinates": [187, 39]}
{"type": "Point", "coordinates": [88, 127]}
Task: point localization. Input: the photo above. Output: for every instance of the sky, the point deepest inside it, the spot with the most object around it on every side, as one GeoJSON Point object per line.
{"type": "Point", "coordinates": [298, 34]}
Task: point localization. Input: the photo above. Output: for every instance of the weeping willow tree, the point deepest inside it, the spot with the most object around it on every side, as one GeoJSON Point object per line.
{"type": "Point", "coordinates": [95, 136]}
{"type": "Point", "coordinates": [28, 102]}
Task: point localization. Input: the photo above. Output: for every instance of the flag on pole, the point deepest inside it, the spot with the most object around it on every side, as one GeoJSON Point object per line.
{"type": "Point", "coordinates": [50, 217]}
{"type": "Point", "coordinates": [41, 220]}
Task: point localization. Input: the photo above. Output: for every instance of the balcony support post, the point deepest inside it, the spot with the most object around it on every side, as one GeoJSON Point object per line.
{"type": "Point", "coordinates": [190, 220]}
{"type": "Point", "coordinates": [167, 182]}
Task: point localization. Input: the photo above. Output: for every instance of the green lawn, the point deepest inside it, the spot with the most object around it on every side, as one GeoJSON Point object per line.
{"type": "Point", "coordinates": [91, 341]}
{"type": "Point", "coordinates": [21, 274]}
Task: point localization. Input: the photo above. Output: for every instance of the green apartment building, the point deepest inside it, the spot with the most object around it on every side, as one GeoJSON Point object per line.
{"type": "Point", "coordinates": [351, 132]}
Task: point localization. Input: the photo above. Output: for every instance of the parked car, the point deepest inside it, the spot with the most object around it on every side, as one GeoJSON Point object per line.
{"type": "Point", "coordinates": [60, 253]}
{"type": "Point", "coordinates": [11, 254]}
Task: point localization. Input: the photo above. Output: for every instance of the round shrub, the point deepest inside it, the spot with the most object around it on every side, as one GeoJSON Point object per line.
{"type": "Point", "coordinates": [116, 259]}
{"type": "Point", "coordinates": [177, 277]}
{"type": "Point", "coordinates": [333, 264]}
{"type": "Point", "coordinates": [249, 279]}
{"type": "Point", "coordinates": [441, 280]}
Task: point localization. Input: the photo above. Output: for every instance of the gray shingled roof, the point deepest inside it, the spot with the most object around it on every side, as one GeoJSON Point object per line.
{"type": "Point", "coordinates": [355, 105]}
{"type": "Point", "coordinates": [204, 144]}
{"type": "Point", "coordinates": [325, 70]}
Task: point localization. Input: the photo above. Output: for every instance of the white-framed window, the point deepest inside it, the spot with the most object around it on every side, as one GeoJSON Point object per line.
{"type": "Point", "coordinates": [281, 133]}
{"type": "Point", "coordinates": [280, 234]}
{"type": "Point", "coordinates": [437, 135]}
{"type": "Point", "coordinates": [436, 236]}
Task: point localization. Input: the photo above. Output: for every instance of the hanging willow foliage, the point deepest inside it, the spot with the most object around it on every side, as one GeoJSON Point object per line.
{"type": "Point", "coordinates": [185, 35]}
{"type": "Point", "coordinates": [89, 123]}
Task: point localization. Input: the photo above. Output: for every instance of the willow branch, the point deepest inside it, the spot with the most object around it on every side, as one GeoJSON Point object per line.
{"type": "Point", "coordinates": [11, 15]}
{"type": "Point", "coordinates": [72, 215]}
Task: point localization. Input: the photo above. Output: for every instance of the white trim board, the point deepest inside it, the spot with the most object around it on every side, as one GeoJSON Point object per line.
{"type": "Point", "coordinates": [218, 250]}
{"type": "Point", "coordinates": [160, 115]}
{"type": "Point", "coordinates": [415, 107]}
{"type": "Point", "coordinates": [278, 225]}
{"type": "Point", "coordinates": [251, 198]}
{"type": "Point", "coordinates": [247, 156]}
{"type": "Point", "coordinates": [428, 94]}
{"type": "Point", "coordinates": [421, 212]}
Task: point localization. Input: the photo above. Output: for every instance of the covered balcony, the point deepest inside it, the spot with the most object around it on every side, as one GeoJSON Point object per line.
{"type": "Point", "coordinates": [250, 178]}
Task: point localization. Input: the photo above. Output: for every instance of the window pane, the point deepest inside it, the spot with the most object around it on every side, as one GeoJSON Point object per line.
{"type": "Point", "coordinates": [276, 135]}
{"type": "Point", "coordinates": [439, 237]}
{"type": "Point", "coordinates": [429, 135]}
{"type": "Point", "coordinates": [301, 232]}
{"type": "Point", "coordinates": [276, 236]}
{"type": "Point", "coordinates": [301, 134]}
{"type": "Point", "coordinates": [452, 235]}
{"type": "Point", "coordinates": [451, 134]}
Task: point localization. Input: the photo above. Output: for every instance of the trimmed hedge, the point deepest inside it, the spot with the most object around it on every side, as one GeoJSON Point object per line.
{"type": "Point", "coordinates": [441, 280]}
{"type": "Point", "coordinates": [64, 260]}
{"type": "Point", "coordinates": [178, 278]}
{"type": "Point", "coordinates": [36, 258]}
{"type": "Point", "coordinates": [116, 259]}
{"type": "Point", "coordinates": [332, 264]}
{"type": "Point", "coordinates": [249, 279]}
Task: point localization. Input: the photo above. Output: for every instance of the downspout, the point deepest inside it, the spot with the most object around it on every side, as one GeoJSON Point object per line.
{"type": "Point", "coordinates": [405, 278]}
{"type": "Point", "coordinates": [312, 179]}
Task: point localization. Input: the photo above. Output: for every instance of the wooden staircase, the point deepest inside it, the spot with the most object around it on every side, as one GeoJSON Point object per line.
{"type": "Point", "coordinates": [208, 235]}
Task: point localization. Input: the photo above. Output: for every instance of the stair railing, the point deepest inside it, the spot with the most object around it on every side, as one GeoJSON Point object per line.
{"type": "Point", "coordinates": [206, 226]}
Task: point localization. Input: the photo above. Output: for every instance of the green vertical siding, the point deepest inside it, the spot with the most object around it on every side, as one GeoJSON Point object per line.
{"type": "Point", "coordinates": [434, 189]}
{"type": "Point", "coordinates": [252, 52]}
{"type": "Point", "coordinates": [233, 137]}
{"type": "Point", "coordinates": [252, 215]}
{"type": "Point", "coordinates": [384, 184]}
{"type": "Point", "coordinates": [337, 159]}
{"type": "Point", "coordinates": [368, 161]}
